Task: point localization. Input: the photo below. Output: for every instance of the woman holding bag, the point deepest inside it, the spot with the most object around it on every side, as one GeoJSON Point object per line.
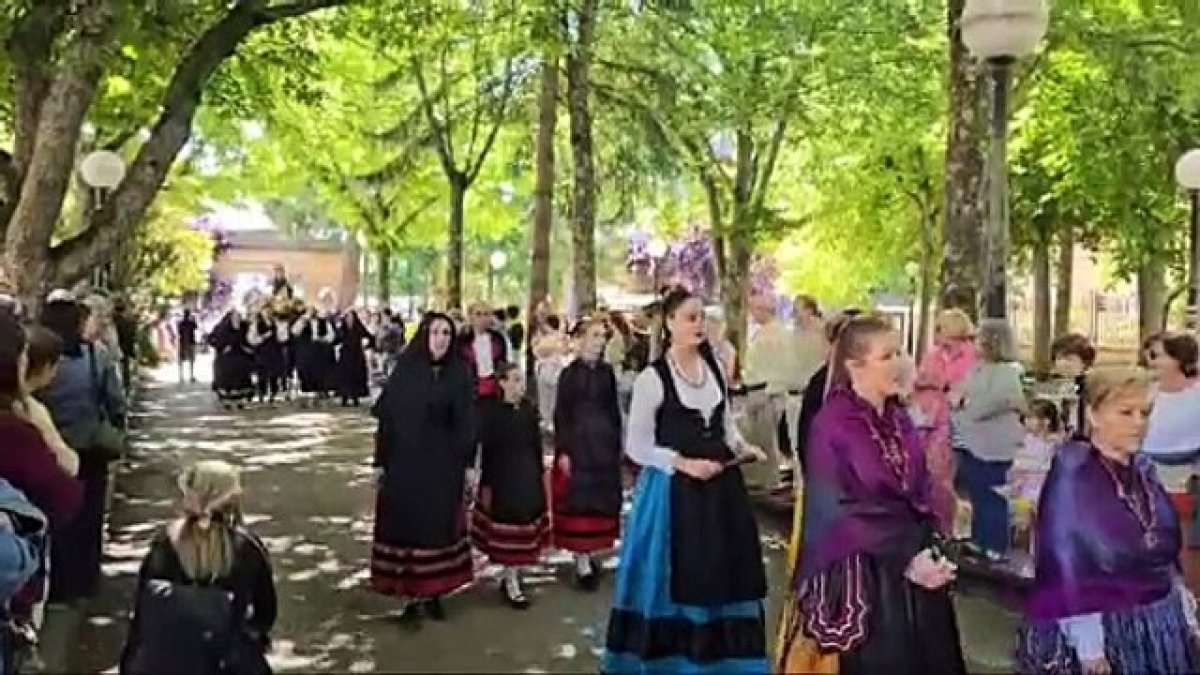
{"type": "Point", "coordinates": [88, 407]}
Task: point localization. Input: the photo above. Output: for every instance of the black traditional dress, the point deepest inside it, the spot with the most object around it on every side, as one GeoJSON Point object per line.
{"type": "Point", "coordinates": [691, 583]}
{"type": "Point", "coordinates": [269, 359]}
{"type": "Point", "coordinates": [424, 444]}
{"type": "Point", "coordinates": [509, 523]}
{"type": "Point", "coordinates": [353, 339]}
{"type": "Point", "coordinates": [587, 432]}
{"type": "Point", "coordinates": [234, 360]}
{"type": "Point", "coordinates": [252, 591]}
{"type": "Point", "coordinates": [486, 385]}
{"type": "Point", "coordinates": [313, 341]}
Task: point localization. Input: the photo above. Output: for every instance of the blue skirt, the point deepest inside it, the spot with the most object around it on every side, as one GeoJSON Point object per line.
{"type": "Point", "coordinates": [647, 632]}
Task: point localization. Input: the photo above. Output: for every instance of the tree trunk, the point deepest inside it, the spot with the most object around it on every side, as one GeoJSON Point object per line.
{"type": "Point", "coordinates": [52, 153]}
{"type": "Point", "coordinates": [735, 282]}
{"type": "Point", "coordinates": [1041, 306]}
{"type": "Point", "coordinates": [583, 216]}
{"type": "Point", "coordinates": [457, 241]}
{"type": "Point", "coordinates": [1152, 294]}
{"type": "Point", "coordinates": [383, 262]}
{"type": "Point", "coordinates": [962, 268]}
{"type": "Point", "coordinates": [543, 205]}
{"type": "Point", "coordinates": [1066, 280]}
{"type": "Point", "coordinates": [51, 163]}
{"type": "Point", "coordinates": [928, 222]}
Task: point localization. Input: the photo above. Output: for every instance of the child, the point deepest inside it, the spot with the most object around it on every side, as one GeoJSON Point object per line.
{"type": "Point", "coordinates": [587, 442]}
{"type": "Point", "coordinates": [509, 523]}
{"type": "Point", "coordinates": [205, 592]}
{"type": "Point", "coordinates": [1043, 425]}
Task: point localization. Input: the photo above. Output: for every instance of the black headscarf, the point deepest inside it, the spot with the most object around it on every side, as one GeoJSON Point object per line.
{"type": "Point", "coordinates": [408, 386]}
{"type": "Point", "coordinates": [417, 351]}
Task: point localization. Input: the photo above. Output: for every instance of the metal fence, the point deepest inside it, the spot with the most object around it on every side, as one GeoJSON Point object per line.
{"type": "Point", "coordinates": [1110, 320]}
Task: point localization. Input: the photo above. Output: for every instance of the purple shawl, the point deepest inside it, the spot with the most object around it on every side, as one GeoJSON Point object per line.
{"type": "Point", "coordinates": [1091, 550]}
{"type": "Point", "coordinates": [854, 502]}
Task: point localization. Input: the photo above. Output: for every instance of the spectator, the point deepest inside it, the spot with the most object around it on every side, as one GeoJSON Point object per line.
{"type": "Point", "coordinates": [222, 605]}
{"type": "Point", "coordinates": [1074, 355]}
{"type": "Point", "coordinates": [988, 413]}
{"type": "Point", "coordinates": [516, 329]}
{"type": "Point", "coordinates": [187, 330]}
{"type": "Point", "coordinates": [126, 324]}
{"type": "Point", "coordinates": [88, 407]}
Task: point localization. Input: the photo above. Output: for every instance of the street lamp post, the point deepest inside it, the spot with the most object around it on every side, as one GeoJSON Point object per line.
{"type": "Point", "coordinates": [1187, 173]}
{"type": "Point", "coordinates": [657, 248]}
{"type": "Point", "coordinates": [1000, 32]}
{"type": "Point", "coordinates": [496, 262]}
{"type": "Point", "coordinates": [102, 171]}
{"type": "Point", "coordinates": [912, 270]}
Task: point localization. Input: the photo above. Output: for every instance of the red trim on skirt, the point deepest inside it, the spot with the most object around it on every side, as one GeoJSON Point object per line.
{"type": "Point", "coordinates": [421, 573]}
{"type": "Point", "coordinates": [577, 532]}
{"type": "Point", "coordinates": [506, 544]}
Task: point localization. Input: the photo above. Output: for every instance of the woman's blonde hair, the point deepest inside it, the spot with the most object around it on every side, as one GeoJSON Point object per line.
{"type": "Point", "coordinates": [954, 324]}
{"type": "Point", "coordinates": [1104, 384]}
{"type": "Point", "coordinates": [205, 542]}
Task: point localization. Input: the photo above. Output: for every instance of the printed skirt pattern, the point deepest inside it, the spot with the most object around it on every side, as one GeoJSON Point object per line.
{"type": "Point", "coordinates": [579, 532]}
{"type": "Point", "coordinates": [1153, 638]}
{"type": "Point", "coordinates": [647, 631]}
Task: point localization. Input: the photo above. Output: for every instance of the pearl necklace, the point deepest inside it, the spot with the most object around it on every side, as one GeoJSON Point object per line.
{"type": "Point", "coordinates": [694, 384]}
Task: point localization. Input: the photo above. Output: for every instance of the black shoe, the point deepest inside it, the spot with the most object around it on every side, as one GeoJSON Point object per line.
{"type": "Point", "coordinates": [588, 582]}
{"type": "Point", "coordinates": [433, 609]}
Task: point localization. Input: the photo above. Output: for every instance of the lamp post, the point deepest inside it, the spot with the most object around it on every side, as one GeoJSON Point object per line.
{"type": "Point", "coordinates": [912, 269]}
{"type": "Point", "coordinates": [657, 248]}
{"type": "Point", "coordinates": [1187, 173]}
{"type": "Point", "coordinates": [102, 171]}
{"type": "Point", "coordinates": [496, 262]}
{"type": "Point", "coordinates": [1000, 32]}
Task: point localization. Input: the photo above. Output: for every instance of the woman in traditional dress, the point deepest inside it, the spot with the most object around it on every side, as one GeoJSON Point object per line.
{"type": "Point", "coordinates": [586, 476]}
{"type": "Point", "coordinates": [483, 347]}
{"type": "Point", "coordinates": [942, 375]}
{"type": "Point", "coordinates": [424, 445]}
{"type": "Point", "coordinates": [234, 361]}
{"type": "Point", "coordinates": [691, 582]}
{"type": "Point", "coordinates": [871, 583]}
{"type": "Point", "coordinates": [267, 335]}
{"type": "Point", "coordinates": [313, 337]}
{"type": "Point", "coordinates": [510, 524]}
{"type": "Point", "coordinates": [353, 341]}
{"type": "Point", "coordinates": [1108, 596]}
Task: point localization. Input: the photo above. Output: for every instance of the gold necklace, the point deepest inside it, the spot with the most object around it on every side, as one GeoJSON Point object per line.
{"type": "Point", "coordinates": [1142, 509]}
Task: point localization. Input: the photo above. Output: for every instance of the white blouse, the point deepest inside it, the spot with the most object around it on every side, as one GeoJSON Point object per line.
{"type": "Point", "coordinates": [640, 443]}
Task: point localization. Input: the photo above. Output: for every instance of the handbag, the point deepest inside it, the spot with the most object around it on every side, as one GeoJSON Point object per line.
{"type": "Point", "coordinates": [108, 443]}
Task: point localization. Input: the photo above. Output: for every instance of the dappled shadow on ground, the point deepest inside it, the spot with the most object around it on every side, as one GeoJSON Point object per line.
{"type": "Point", "coordinates": [309, 496]}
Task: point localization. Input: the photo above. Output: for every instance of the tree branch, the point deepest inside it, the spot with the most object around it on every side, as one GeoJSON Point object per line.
{"type": "Point", "coordinates": [442, 143]}
{"type": "Point", "coordinates": [497, 122]}
{"type": "Point", "coordinates": [51, 160]}
{"type": "Point", "coordinates": [127, 205]}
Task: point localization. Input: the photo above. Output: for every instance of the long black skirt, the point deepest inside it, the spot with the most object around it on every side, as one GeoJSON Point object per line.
{"type": "Point", "coordinates": [910, 630]}
{"type": "Point", "coordinates": [232, 375]}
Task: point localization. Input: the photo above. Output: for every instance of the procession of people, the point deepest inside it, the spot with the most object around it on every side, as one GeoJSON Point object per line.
{"type": "Point", "coordinates": [650, 440]}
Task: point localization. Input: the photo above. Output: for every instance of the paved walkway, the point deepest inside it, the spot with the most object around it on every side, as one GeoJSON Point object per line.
{"type": "Point", "coordinates": [307, 476]}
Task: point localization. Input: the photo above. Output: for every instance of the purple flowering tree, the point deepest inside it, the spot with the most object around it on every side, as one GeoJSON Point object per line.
{"type": "Point", "coordinates": [692, 263]}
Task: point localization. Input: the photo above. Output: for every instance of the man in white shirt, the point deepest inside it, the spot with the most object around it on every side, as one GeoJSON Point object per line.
{"type": "Point", "coordinates": [766, 373]}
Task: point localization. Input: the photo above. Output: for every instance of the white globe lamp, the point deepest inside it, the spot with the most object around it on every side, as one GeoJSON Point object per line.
{"type": "Point", "coordinates": [1003, 29]}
